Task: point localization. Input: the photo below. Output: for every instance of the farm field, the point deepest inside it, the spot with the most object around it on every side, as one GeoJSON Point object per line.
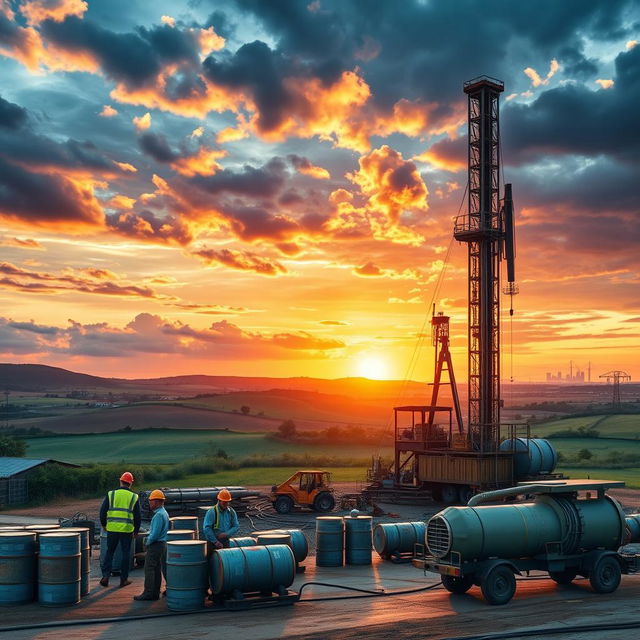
{"type": "Point", "coordinates": [257, 476]}
{"type": "Point", "coordinates": [171, 446]}
{"type": "Point", "coordinates": [629, 475]}
{"type": "Point", "coordinates": [610, 426]}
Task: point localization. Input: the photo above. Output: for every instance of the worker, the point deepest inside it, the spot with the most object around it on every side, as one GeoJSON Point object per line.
{"type": "Point", "coordinates": [155, 562]}
{"type": "Point", "coordinates": [120, 518]}
{"type": "Point", "coordinates": [220, 523]}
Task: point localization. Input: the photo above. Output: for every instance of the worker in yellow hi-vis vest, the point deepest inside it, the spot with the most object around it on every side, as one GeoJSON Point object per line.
{"type": "Point", "coordinates": [120, 517]}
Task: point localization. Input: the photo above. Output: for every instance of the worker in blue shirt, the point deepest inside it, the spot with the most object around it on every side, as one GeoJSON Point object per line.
{"type": "Point", "coordinates": [220, 523]}
{"type": "Point", "coordinates": [155, 562]}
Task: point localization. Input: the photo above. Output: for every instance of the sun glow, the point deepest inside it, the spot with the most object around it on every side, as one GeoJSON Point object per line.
{"type": "Point", "coordinates": [373, 367]}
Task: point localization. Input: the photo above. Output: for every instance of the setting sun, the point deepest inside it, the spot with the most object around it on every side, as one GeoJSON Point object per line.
{"type": "Point", "coordinates": [373, 367]}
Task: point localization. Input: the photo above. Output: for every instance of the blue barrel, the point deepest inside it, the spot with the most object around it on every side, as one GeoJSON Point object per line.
{"type": "Point", "coordinates": [394, 538]}
{"type": "Point", "coordinates": [59, 569]}
{"type": "Point", "coordinates": [17, 567]}
{"type": "Point", "coordinates": [246, 541]}
{"type": "Point", "coordinates": [42, 527]}
{"type": "Point", "coordinates": [299, 542]}
{"type": "Point", "coordinates": [202, 512]}
{"type": "Point", "coordinates": [532, 457]}
{"type": "Point", "coordinates": [357, 539]}
{"type": "Point", "coordinates": [273, 538]}
{"type": "Point", "coordinates": [264, 569]}
{"type": "Point", "coordinates": [180, 534]}
{"type": "Point", "coordinates": [117, 556]}
{"type": "Point", "coordinates": [185, 522]}
{"type": "Point", "coordinates": [186, 574]}
{"type": "Point", "coordinates": [633, 524]}
{"type": "Point", "coordinates": [329, 541]}
{"type": "Point", "coordinates": [85, 557]}
{"type": "Point", "coordinates": [17, 527]}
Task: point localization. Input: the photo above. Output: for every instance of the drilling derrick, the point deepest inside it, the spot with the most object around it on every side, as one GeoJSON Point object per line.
{"type": "Point", "coordinates": [487, 228]}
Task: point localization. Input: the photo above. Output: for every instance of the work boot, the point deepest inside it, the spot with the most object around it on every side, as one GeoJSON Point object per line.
{"type": "Point", "coordinates": [104, 582]}
{"type": "Point", "coordinates": [124, 583]}
{"type": "Point", "coordinates": [145, 596]}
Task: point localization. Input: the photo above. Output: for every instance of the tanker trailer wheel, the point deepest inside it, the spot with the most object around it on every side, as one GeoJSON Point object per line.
{"type": "Point", "coordinates": [605, 576]}
{"type": "Point", "coordinates": [283, 504]}
{"type": "Point", "coordinates": [455, 584]}
{"type": "Point", "coordinates": [324, 502]}
{"type": "Point", "coordinates": [563, 577]}
{"type": "Point", "coordinates": [499, 585]}
{"type": "Point", "coordinates": [465, 493]}
{"type": "Point", "coordinates": [449, 493]}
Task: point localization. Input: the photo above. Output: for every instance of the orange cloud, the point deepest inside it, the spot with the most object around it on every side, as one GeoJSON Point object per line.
{"type": "Point", "coordinates": [142, 122]}
{"type": "Point", "coordinates": [26, 243]}
{"type": "Point", "coordinates": [392, 183]}
{"type": "Point", "coordinates": [535, 78]}
{"type": "Point", "coordinates": [108, 111]}
{"type": "Point", "coordinates": [242, 261]}
{"type": "Point", "coordinates": [209, 41]}
{"type": "Point", "coordinates": [605, 84]}
{"type": "Point", "coordinates": [125, 166]}
{"type": "Point", "coordinates": [203, 162]}
{"type": "Point", "coordinates": [121, 202]}
{"type": "Point", "coordinates": [168, 20]}
{"type": "Point", "coordinates": [36, 11]}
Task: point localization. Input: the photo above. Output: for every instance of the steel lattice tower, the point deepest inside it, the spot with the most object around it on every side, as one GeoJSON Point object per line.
{"type": "Point", "coordinates": [483, 229]}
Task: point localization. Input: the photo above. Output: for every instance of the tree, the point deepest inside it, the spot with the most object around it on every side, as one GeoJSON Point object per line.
{"type": "Point", "coordinates": [585, 454]}
{"type": "Point", "coordinates": [287, 429]}
{"type": "Point", "coordinates": [12, 447]}
{"type": "Point", "coordinates": [245, 409]}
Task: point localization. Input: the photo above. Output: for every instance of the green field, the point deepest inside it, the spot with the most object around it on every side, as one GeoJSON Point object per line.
{"type": "Point", "coordinates": [170, 446]}
{"type": "Point", "coordinates": [630, 475]}
{"type": "Point", "coordinates": [255, 477]}
{"type": "Point", "coordinates": [615, 426]}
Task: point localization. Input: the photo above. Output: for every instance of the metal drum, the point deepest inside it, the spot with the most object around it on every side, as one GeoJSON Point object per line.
{"type": "Point", "coordinates": [186, 574]}
{"type": "Point", "coordinates": [329, 541]}
{"type": "Point", "coordinates": [117, 556]}
{"type": "Point", "coordinates": [42, 527]}
{"type": "Point", "coordinates": [247, 541]}
{"type": "Point", "coordinates": [392, 539]}
{"type": "Point", "coordinates": [299, 542]}
{"type": "Point", "coordinates": [273, 538]}
{"type": "Point", "coordinates": [263, 569]}
{"type": "Point", "coordinates": [185, 522]}
{"type": "Point", "coordinates": [85, 557]}
{"type": "Point", "coordinates": [59, 569]}
{"type": "Point", "coordinates": [357, 539]}
{"type": "Point", "coordinates": [180, 534]}
{"type": "Point", "coordinates": [17, 527]}
{"type": "Point", "coordinates": [17, 567]}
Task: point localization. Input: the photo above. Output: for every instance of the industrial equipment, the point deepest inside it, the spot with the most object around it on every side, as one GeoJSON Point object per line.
{"type": "Point", "coordinates": [305, 489]}
{"type": "Point", "coordinates": [567, 528]}
{"type": "Point", "coordinates": [441, 457]}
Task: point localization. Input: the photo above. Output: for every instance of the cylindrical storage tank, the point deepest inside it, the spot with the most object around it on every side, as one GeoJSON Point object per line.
{"type": "Point", "coordinates": [185, 522]}
{"type": "Point", "coordinates": [299, 542]}
{"type": "Point", "coordinates": [17, 567]}
{"type": "Point", "coordinates": [180, 534]}
{"type": "Point", "coordinates": [264, 569]}
{"type": "Point", "coordinates": [357, 539]}
{"type": "Point", "coordinates": [116, 564]}
{"type": "Point", "coordinates": [85, 557]}
{"type": "Point", "coordinates": [186, 574]}
{"type": "Point", "coordinates": [329, 541]}
{"type": "Point", "coordinates": [394, 538]}
{"type": "Point", "coordinates": [59, 569]}
{"type": "Point", "coordinates": [246, 541]}
{"type": "Point", "coordinates": [532, 457]}
{"type": "Point", "coordinates": [633, 524]}
{"type": "Point", "coordinates": [521, 530]}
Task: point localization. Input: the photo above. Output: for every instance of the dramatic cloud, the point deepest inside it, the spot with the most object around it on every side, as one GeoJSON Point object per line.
{"type": "Point", "coordinates": [241, 260]}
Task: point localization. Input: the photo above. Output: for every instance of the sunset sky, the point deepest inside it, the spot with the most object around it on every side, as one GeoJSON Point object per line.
{"type": "Point", "coordinates": [250, 187]}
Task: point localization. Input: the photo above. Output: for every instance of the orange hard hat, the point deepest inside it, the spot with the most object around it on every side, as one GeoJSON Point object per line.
{"type": "Point", "coordinates": [225, 496]}
{"type": "Point", "coordinates": [156, 494]}
{"type": "Point", "coordinates": [127, 477]}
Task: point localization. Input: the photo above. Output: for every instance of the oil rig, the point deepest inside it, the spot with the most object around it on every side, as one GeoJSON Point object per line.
{"type": "Point", "coordinates": [444, 458]}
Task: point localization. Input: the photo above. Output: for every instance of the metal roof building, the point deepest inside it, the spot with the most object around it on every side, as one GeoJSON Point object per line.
{"type": "Point", "coordinates": [14, 473]}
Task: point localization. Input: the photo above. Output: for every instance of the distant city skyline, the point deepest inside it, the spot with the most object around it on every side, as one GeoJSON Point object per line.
{"type": "Point", "coordinates": [239, 187]}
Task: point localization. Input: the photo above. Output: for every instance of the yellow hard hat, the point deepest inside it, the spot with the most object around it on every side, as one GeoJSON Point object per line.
{"type": "Point", "coordinates": [156, 494]}
{"type": "Point", "coordinates": [225, 496]}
